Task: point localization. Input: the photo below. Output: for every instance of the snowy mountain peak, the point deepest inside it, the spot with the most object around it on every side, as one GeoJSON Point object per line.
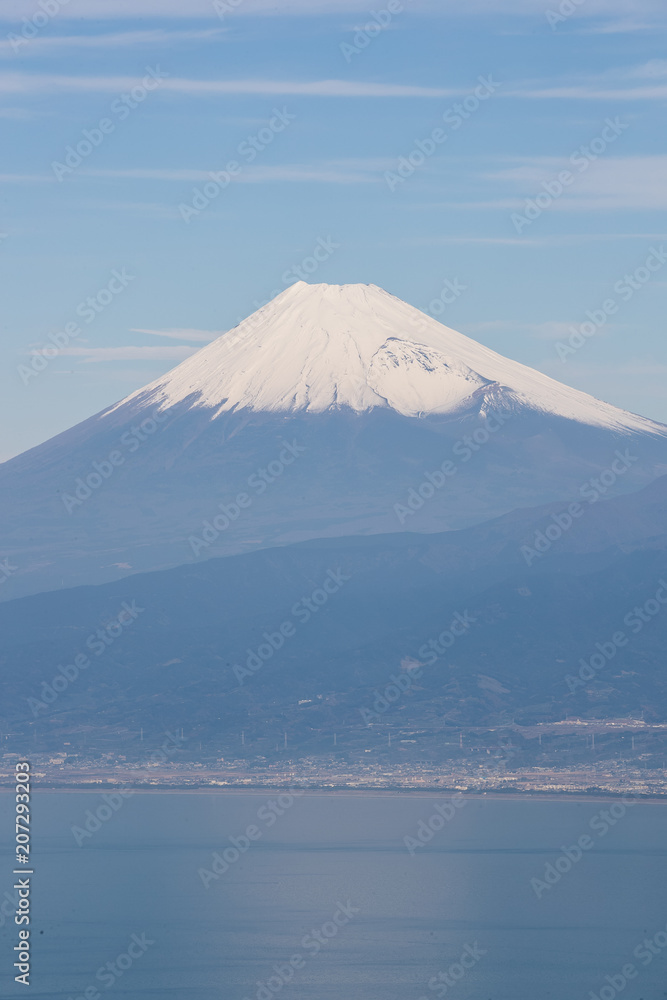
{"type": "Point", "coordinates": [340, 371]}
{"type": "Point", "coordinates": [320, 347]}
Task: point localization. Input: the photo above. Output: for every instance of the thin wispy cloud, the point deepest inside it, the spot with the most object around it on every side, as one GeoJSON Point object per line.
{"type": "Point", "coordinates": [28, 83]}
{"type": "Point", "coordinates": [17, 114]}
{"type": "Point", "coordinates": [25, 178]}
{"type": "Point", "coordinates": [589, 92]}
{"type": "Point", "coordinates": [148, 209]}
{"type": "Point", "coordinates": [435, 241]}
{"type": "Point", "coordinates": [648, 373]}
{"type": "Point", "coordinates": [623, 27]}
{"type": "Point", "coordinates": [318, 174]}
{"type": "Point", "coordinates": [150, 174]}
{"type": "Point", "coordinates": [127, 9]}
{"type": "Point", "coordinates": [609, 184]}
{"type": "Point", "coordinates": [637, 368]}
{"type": "Point", "coordinates": [552, 240]}
{"type": "Point", "coordinates": [616, 87]}
{"type": "Point", "coordinates": [54, 44]}
{"type": "Point", "coordinates": [98, 354]}
{"type": "Point", "coordinates": [550, 331]}
{"type": "Point", "coordinates": [328, 172]}
{"type": "Point", "coordinates": [206, 336]}
{"type": "Point", "coordinates": [622, 182]}
{"type": "Point", "coordinates": [655, 69]}
{"type": "Point", "coordinates": [643, 82]}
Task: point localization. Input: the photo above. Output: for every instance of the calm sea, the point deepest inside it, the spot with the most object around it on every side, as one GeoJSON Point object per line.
{"type": "Point", "coordinates": [184, 896]}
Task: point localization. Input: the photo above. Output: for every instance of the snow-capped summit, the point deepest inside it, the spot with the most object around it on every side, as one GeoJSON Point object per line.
{"type": "Point", "coordinates": [332, 411]}
{"type": "Point", "coordinates": [320, 347]}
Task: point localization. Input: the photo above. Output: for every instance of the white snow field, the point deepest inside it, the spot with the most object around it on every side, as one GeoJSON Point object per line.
{"type": "Point", "coordinates": [318, 347]}
{"type": "Point", "coordinates": [332, 411]}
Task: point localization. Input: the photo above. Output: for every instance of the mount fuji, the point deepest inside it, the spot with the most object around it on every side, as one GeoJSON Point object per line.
{"type": "Point", "coordinates": [335, 410]}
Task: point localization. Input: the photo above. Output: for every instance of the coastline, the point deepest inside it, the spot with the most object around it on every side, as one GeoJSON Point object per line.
{"type": "Point", "coordinates": [544, 795]}
{"type": "Point", "coordinates": [166, 776]}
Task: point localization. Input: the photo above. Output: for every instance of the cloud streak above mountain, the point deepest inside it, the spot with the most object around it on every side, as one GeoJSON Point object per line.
{"type": "Point", "coordinates": [27, 83]}
{"type": "Point", "coordinates": [130, 353]}
{"type": "Point", "coordinates": [54, 44]}
{"type": "Point", "coordinates": [128, 9]}
{"type": "Point", "coordinates": [205, 336]}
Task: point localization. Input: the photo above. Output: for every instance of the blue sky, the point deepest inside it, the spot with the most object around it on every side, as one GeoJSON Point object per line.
{"type": "Point", "coordinates": [317, 107]}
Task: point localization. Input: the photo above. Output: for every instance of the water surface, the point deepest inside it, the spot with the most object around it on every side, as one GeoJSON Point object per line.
{"type": "Point", "coordinates": [336, 866]}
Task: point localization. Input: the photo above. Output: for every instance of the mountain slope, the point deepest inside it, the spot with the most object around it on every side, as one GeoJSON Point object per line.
{"type": "Point", "coordinates": [174, 664]}
{"type": "Point", "coordinates": [332, 411]}
{"type": "Point", "coordinates": [318, 347]}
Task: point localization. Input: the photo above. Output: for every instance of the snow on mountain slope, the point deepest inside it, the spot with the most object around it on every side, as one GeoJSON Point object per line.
{"type": "Point", "coordinates": [332, 411]}
{"type": "Point", "coordinates": [317, 347]}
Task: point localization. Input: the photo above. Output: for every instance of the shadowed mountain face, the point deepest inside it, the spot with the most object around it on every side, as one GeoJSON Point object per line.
{"type": "Point", "coordinates": [304, 636]}
{"type": "Point", "coordinates": [334, 411]}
